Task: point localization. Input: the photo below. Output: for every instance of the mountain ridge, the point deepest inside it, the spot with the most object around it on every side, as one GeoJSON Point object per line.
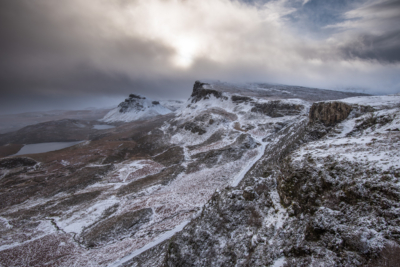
{"type": "Point", "coordinates": [255, 176]}
{"type": "Point", "coordinates": [135, 107]}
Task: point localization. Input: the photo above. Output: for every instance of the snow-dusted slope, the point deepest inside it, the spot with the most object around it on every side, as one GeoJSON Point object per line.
{"type": "Point", "coordinates": [136, 108]}
{"type": "Point", "coordinates": [172, 105]}
{"type": "Point", "coordinates": [378, 102]}
{"type": "Point", "coordinates": [218, 163]}
{"type": "Point", "coordinates": [334, 201]}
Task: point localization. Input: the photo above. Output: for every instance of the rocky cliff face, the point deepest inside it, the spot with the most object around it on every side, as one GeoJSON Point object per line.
{"type": "Point", "coordinates": [329, 113]}
{"type": "Point", "coordinates": [203, 91]}
{"type": "Point", "coordinates": [231, 179]}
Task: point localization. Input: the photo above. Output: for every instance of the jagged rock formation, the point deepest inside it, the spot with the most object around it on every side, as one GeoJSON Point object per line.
{"type": "Point", "coordinates": [251, 177]}
{"type": "Point", "coordinates": [136, 107]}
{"type": "Point", "coordinates": [203, 91]}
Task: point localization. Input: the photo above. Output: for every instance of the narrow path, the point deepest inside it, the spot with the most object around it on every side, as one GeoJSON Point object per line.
{"type": "Point", "coordinates": [153, 243]}
{"type": "Point", "coordinates": [239, 177]}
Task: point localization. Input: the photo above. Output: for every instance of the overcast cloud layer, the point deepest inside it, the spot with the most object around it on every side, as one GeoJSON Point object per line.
{"type": "Point", "coordinates": [73, 54]}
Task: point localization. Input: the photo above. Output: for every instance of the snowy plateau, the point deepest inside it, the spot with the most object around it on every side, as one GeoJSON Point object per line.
{"type": "Point", "coordinates": [239, 175]}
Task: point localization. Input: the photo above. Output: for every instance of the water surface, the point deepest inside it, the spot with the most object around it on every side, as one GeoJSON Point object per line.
{"type": "Point", "coordinates": [45, 147]}
{"type": "Point", "coordinates": [102, 127]}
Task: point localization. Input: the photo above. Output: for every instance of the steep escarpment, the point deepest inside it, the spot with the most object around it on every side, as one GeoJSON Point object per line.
{"type": "Point", "coordinates": [329, 113]}
{"type": "Point", "coordinates": [203, 91]}
{"type": "Point", "coordinates": [332, 202]}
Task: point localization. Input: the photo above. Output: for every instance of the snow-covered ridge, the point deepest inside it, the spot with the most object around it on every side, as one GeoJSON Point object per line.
{"type": "Point", "coordinates": [136, 107]}
{"type": "Point", "coordinates": [338, 191]}
{"type": "Point", "coordinates": [378, 102]}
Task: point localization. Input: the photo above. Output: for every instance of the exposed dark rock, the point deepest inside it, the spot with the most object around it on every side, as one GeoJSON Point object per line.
{"type": "Point", "coordinates": [194, 128]}
{"type": "Point", "coordinates": [316, 131]}
{"type": "Point", "coordinates": [371, 121]}
{"type": "Point", "coordinates": [240, 99]}
{"type": "Point", "coordinates": [136, 96]}
{"type": "Point", "coordinates": [129, 103]}
{"type": "Point", "coordinates": [249, 194]}
{"type": "Point", "coordinates": [11, 163]}
{"type": "Point", "coordinates": [329, 113]}
{"type": "Point", "coordinates": [155, 103]}
{"type": "Point", "coordinates": [200, 93]}
{"type": "Point", "coordinates": [277, 109]}
{"type": "Point", "coordinates": [359, 110]}
{"type": "Point", "coordinates": [132, 102]}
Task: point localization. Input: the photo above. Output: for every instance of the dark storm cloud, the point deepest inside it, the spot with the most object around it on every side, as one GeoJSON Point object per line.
{"type": "Point", "coordinates": [384, 5]}
{"type": "Point", "coordinates": [48, 51]}
{"type": "Point", "coordinates": [376, 32]}
{"type": "Point", "coordinates": [384, 47]}
{"type": "Point", "coordinates": [82, 51]}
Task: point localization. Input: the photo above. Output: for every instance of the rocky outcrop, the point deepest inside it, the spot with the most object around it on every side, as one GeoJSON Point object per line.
{"type": "Point", "coordinates": [136, 107]}
{"type": "Point", "coordinates": [132, 101]}
{"type": "Point", "coordinates": [136, 96]}
{"type": "Point", "coordinates": [199, 92]}
{"type": "Point", "coordinates": [277, 109]}
{"type": "Point", "coordinates": [240, 99]}
{"type": "Point", "coordinates": [329, 113]}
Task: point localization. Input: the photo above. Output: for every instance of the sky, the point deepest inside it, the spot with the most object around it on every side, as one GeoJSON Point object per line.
{"type": "Point", "coordinates": [75, 54]}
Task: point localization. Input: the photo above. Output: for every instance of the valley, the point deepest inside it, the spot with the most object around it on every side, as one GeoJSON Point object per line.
{"type": "Point", "coordinates": [238, 175]}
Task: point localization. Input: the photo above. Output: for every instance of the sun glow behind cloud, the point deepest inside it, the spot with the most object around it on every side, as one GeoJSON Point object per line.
{"type": "Point", "coordinates": [100, 46]}
{"type": "Point", "coordinates": [192, 29]}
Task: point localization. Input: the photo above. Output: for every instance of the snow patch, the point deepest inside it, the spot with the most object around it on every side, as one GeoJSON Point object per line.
{"type": "Point", "coordinates": [158, 240]}
{"type": "Point", "coordinates": [279, 262]}
{"type": "Point", "coordinates": [142, 108]}
{"type": "Point", "coordinates": [86, 217]}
